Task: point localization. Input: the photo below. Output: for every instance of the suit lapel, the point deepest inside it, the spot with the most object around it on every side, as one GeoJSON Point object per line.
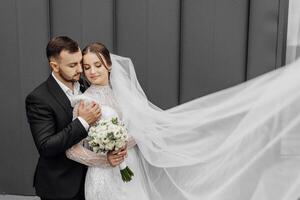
{"type": "Point", "coordinates": [59, 95]}
{"type": "Point", "coordinates": [83, 84]}
{"type": "Point", "coordinates": [82, 88]}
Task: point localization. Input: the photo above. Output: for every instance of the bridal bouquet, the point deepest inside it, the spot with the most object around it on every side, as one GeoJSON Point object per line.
{"type": "Point", "coordinates": [110, 135]}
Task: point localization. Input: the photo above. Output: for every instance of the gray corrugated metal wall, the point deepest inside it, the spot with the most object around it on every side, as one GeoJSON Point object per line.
{"type": "Point", "coordinates": [182, 49]}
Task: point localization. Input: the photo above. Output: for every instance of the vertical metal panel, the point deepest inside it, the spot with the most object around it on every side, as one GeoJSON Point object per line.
{"type": "Point", "coordinates": [132, 30]}
{"type": "Point", "coordinates": [214, 38]}
{"type": "Point", "coordinates": [83, 21]}
{"type": "Point", "coordinates": [66, 19]}
{"type": "Point", "coordinates": [282, 32]}
{"type": "Point", "coordinates": [97, 22]}
{"type": "Point", "coordinates": [23, 38]}
{"type": "Point", "coordinates": [148, 32]}
{"type": "Point", "coordinates": [263, 35]}
{"type": "Point", "coordinates": [9, 131]}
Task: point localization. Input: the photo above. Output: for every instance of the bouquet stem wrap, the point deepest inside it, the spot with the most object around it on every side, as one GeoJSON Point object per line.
{"type": "Point", "coordinates": [126, 172]}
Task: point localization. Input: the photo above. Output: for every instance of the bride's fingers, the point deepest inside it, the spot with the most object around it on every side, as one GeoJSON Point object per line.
{"type": "Point", "coordinates": [117, 162]}
{"type": "Point", "coordinates": [115, 155]}
{"type": "Point", "coordinates": [115, 152]}
{"type": "Point", "coordinates": [123, 151]}
{"type": "Point", "coordinates": [118, 157]}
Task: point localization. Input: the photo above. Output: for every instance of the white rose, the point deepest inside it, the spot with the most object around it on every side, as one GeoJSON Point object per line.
{"type": "Point", "coordinates": [119, 144]}
{"type": "Point", "coordinates": [92, 129]}
{"type": "Point", "coordinates": [110, 145]}
{"type": "Point", "coordinates": [96, 149]}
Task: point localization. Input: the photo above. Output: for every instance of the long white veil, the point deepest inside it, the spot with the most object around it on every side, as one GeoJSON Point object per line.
{"type": "Point", "coordinates": [228, 145]}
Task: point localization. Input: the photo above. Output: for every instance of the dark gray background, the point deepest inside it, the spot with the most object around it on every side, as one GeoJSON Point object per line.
{"type": "Point", "coordinates": [182, 49]}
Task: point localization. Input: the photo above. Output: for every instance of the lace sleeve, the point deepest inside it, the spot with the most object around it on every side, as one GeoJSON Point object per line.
{"type": "Point", "coordinates": [84, 156]}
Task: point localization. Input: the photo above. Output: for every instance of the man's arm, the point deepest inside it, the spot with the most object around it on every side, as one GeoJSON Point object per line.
{"type": "Point", "coordinates": [42, 124]}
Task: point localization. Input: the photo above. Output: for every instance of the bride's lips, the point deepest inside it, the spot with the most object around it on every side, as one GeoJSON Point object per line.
{"type": "Point", "coordinates": [94, 77]}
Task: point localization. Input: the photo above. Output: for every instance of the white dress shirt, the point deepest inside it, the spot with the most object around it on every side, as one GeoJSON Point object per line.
{"type": "Point", "coordinates": [70, 94]}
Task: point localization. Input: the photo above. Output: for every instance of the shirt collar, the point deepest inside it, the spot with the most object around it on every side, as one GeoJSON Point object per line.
{"type": "Point", "coordinates": [65, 88]}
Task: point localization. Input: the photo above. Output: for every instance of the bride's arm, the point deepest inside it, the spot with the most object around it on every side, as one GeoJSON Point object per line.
{"type": "Point", "coordinates": [87, 157]}
{"type": "Point", "coordinates": [84, 156]}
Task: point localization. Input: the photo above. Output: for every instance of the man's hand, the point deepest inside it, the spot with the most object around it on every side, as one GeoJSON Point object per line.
{"type": "Point", "coordinates": [90, 113]}
{"type": "Point", "coordinates": [115, 158]}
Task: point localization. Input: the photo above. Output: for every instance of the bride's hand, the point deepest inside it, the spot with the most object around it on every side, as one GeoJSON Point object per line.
{"type": "Point", "coordinates": [123, 152]}
{"type": "Point", "coordinates": [115, 158]}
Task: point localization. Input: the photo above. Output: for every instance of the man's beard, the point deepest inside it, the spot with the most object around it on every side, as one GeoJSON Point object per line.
{"type": "Point", "coordinates": [67, 79]}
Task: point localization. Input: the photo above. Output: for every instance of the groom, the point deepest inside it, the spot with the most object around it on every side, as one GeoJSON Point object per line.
{"type": "Point", "coordinates": [49, 114]}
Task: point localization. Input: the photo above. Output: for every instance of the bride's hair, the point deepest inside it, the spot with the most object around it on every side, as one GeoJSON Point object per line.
{"type": "Point", "coordinates": [98, 48]}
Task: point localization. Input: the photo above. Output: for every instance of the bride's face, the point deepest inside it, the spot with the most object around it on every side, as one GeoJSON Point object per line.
{"type": "Point", "coordinates": [94, 70]}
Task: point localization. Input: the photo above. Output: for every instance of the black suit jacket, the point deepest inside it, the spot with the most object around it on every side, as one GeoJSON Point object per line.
{"type": "Point", "coordinates": [49, 114]}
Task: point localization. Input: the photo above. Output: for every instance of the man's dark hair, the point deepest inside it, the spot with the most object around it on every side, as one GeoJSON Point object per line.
{"type": "Point", "coordinates": [57, 44]}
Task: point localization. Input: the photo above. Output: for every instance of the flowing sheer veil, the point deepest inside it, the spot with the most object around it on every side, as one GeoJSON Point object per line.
{"type": "Point", "coordinates": [220, 146]}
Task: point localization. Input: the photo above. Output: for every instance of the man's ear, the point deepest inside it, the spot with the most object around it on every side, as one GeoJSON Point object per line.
{"type": "Point", "coordinates": [54, 66]}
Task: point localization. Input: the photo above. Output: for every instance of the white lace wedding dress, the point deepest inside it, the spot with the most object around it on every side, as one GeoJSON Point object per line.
{"type": "Point", "coordinates": [104, 182]}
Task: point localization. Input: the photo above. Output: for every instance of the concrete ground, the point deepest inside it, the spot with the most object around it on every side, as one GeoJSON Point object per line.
{"type": "Point", "coordinates": [14, 197]}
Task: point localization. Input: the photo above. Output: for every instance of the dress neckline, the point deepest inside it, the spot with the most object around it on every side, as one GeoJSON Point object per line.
{"type": "Point", "coordinates": [101, 87]}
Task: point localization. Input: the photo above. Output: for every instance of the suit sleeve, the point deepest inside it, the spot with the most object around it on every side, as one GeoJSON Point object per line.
{"type": "Point", "coordinates": [48, 141]}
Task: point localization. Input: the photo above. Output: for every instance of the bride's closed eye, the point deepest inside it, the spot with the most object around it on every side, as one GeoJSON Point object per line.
{"type": "Point", "coordinates": [86, 67]}
{"type": "Point", "coordinates": [98, 64]}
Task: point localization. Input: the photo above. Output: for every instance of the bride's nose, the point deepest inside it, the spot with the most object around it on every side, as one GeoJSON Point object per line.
{"type": "Point", "coordinates": [93, 70]}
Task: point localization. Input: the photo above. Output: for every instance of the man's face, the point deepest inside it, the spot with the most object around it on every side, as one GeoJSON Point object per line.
{"type": "Point", "coordinates": [69, 66]}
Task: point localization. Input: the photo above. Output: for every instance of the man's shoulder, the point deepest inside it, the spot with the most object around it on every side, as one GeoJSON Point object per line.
{"type": "Point", "coordinates": [40, 92]}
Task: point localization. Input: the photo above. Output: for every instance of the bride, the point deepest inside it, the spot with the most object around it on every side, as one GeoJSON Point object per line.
{"type": "Point", "coordinates": [103, 179]}
{"type": "Point", "coordinates": [225, 146]}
